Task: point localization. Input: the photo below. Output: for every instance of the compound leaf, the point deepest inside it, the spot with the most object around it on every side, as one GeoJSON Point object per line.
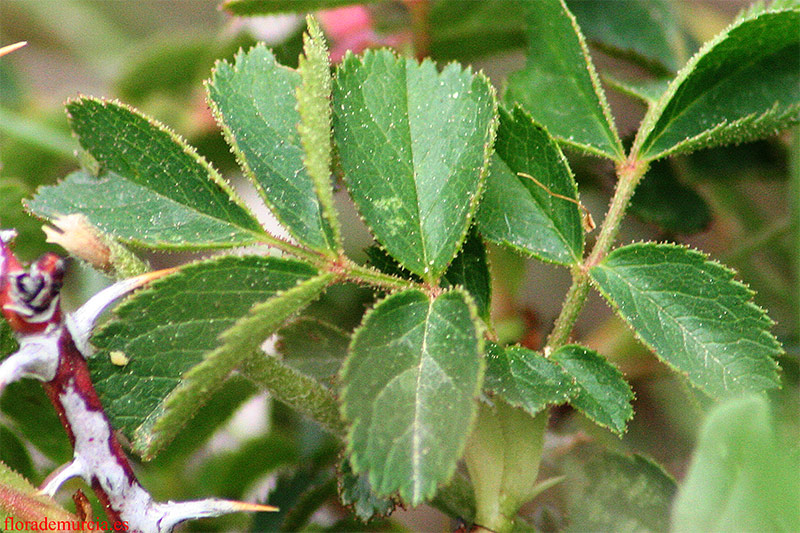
{"type": "Point", "coordinates": [741, 86]}
{"type": "Point", "coordinates": [170, 327]}
{"type": "Point", "coordinates": [255, 103]}
{"type": "Point", "coordinates": [602, 394]}
{"type": "Point", "coordinates": [526, 379]}
{"type": "Point", "coordinates": [414, 146]}
{"type": "Point", "coordinates": [559, 85]}
{"type": "Point", "coordinates": [157, 191]}
{"type": "Point", "coordinates": [694, 316]}
{"type": "Point", "coordinates": [410, 383]}
{"type": "Point", "coordinates": [519, 212]}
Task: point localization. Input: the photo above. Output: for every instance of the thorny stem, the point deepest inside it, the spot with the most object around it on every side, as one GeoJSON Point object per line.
{"type": "Point", "coordinates": [629, 173]}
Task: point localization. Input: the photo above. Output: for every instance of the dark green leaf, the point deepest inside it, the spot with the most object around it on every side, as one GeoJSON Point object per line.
{"type": "Point", "coordinates": [622, 494]}
{"type": "Point", "coordinates": [414, 369]}
{"type": "Point", "coordinates": [693, 314]}
{"type": "Point", "coordinates": [523, 378]}
{"type": "Point", "coordinates": [741, 478]}
{"type": "Point", "coordinates": [414, 145]}
{"type": "Point", "coordinates": [255, 102]}
{"type": "Point", "coordinates": [663, 200]}
{"type": "Point", "coordinates": [526, 215]}
{"type": "Point", "coordinates": [314, 106]}
{"type": "Point", "coordinates": [28, 411]}
{"type": "Point", "coordinates": [356, 492]}
{"type": "Point", "coordinates": [602, 393]}
{"type": "Point", "coordinates": [470, 270]}
{"type": "Point", "coordinates": [464, 30]}
{"type": "Point", "coordinates": [559, 85]}
{"type": "Point", "coordinates": [741, 86]}
{"type": "Point", "coordinates": [168, 328]}
{"type": "Point", "coordinates": [645, 31]}
{"type": "Point", "coordinates": [250, 8]}
{"type": "Point", "coordinates": [135, 214]}
{"type": "Point", "coordinates": [313, 347]}
{"type": "Point", "coordinates": [145, 160]}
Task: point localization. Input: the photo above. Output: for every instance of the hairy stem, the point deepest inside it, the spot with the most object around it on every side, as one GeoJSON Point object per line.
{"type": "Point", "coordinates": [629, 173]}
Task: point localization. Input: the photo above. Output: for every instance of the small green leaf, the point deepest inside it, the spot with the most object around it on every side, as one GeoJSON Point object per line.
{"type": "Point", "coordinates": [741, 478]}
{"type": "Point", "coordinates": [313, 347]}
{"type": "Point", "coordinates": [693, 314]}
{"type": "Point", "coordinates": [314, 106]}
{"type": "Point", "coordinates": [645, 32]}
{"type": "Point", "coordinates": [238, 342]}
{"type": "Point", "coordinates": [741, 86]}
{"type": "Point", "coordinates": [145, 160]}
{"type": "Point", "coordinates": [414, 146]}
{"type": "Point", "coordinates": [414, 370]}
{"type": "Point", "coordinates": [519, 212]}
{"type": "Point", "coordinates": [602, 393]}
{"type": "Point", "coordinates": [621, 494]}
{"type": "Point", "coordinates": [685, 213]}
{"type": "Point", "coordinates": [20, 501]}
{"type": "Point", "coordinates": [523, 378]}
{"type": "Point", "coordinates": [255, 103]}
{"type": "Point", "coordinates": [171, 326]}
{"type": "Point", "coordinates": [356, 492]}
{"type": "Point", "coordinates": [135, 214]}
{"type": "Point", "coordinates": [559, 86]}
{"type": "Point", "coordinates": [251, 8]}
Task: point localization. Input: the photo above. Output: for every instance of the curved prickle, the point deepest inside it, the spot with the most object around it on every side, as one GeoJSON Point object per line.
{"type": "Point", "coordinates": [53, 349]}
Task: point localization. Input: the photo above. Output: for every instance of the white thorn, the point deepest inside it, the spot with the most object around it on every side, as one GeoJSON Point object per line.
{"type": "Point", "coordinates": [7, 235]}
{"type": "Point", "coordinates": [176, 512]}
{"type": "Point", "coordinates": [37, 358]}
{"type": "Point", "coordinates": [62, 475]}
{"type": "Point", "coordinates": [81, 322]}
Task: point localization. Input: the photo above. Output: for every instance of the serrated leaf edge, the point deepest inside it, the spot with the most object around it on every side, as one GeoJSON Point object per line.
{"type": "Point", "coordinates": [479, 329]}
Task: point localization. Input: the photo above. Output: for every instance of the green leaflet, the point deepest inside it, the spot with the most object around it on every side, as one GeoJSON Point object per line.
{"type": "Point", "coordinates": [524, 378]}
{"type": "Point", "coordinates": [182, 201]}
{"type": "Point", "coordinates": [314, 106]}
{"type": "Point", "coordinates": [21, 501]}
{"type": "Point", "coordinates": [517, 211]}
{"type": "Point", "coordinates": [414, 146]}
{"type": "Point", "coordinates": [170, 327]}
{"type": "Point", "coordinates": [741, 477]}
{"type": "Point", "coordinates": [693, 314]}
{"type": "Point", "coordinates": [601, 392]}
{"type": "Point", "coordinates": [255, 103]}
{"type": "Point", "coordinates": [414, 369]}
{"type": "Point", "coordinates": [136, 214]}
{"type": "Point", "coordinates": [250, 8]}
{"type": "Point", "coordinates": [559, 85]}
{"type": "Point", "coordinates": [645, 31]}
{"type": "Point", "coordinates": [741, 86]}
{"type": "Point", "coordinates": [242, 340]}
{"type": "Point", "coordinates": [620, 493]}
